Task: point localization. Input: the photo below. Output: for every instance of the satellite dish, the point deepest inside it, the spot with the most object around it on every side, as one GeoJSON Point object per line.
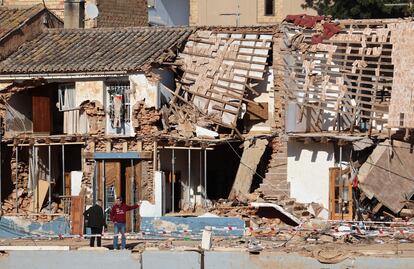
{"type": "Point", "coordinates": [91, 11]}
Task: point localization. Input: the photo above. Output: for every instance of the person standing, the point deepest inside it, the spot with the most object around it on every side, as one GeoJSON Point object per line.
{"type": "Point", "coordinates": [118, 217]}
{"type": "Point", "coordinates": [95, 218]}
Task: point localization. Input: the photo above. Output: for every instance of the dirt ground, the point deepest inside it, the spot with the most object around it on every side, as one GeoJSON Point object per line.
{"type": "Point", "coordinates": [323, 249]}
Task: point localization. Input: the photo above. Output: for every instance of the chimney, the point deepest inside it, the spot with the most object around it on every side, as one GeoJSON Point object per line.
{"type": "Point", "coordinates": [74, 14]}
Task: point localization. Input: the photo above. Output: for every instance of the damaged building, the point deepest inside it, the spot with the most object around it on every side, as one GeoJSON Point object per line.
{"type": "Point", "coordinates": [308, 119]}
{"type": "Point", "coordinates": [158, 114]}
{"type": "Point", "coordinates": [347, 110]}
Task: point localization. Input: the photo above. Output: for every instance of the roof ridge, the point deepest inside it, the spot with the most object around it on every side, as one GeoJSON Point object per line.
{"type": "Point", "coordinates": [118, 29]}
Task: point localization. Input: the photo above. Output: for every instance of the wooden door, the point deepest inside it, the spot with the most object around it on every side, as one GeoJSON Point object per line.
{"type": "Point", "coordinates": [340, 195]}
{"type": "Point", "coordinates": [118, 174]}
{"type": "Point", "coordinates": [76, 214]}
{"type": "Point", "coordinates": [41, 114]}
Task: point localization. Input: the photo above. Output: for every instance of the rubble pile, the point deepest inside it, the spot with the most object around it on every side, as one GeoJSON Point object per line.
{"type": "Point", "coordinates": [24, 202]}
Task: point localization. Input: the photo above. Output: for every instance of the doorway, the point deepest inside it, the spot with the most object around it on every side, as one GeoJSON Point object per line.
{"type": "Point", "coordinates": [119, 178]}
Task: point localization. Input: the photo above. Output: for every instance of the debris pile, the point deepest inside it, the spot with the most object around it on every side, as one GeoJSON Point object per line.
{"type": "Point", "coordinates": [26, 207]}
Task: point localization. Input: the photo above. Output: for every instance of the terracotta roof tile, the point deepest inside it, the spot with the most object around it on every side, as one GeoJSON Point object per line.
{"type": "Point", "coordinates": [93, 50]}
{"type": "Point", "coordinates": [13, 18]}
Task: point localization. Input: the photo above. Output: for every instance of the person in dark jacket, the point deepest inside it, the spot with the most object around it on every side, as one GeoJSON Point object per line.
{"type": "Point", "coordinates": [95, 218]}
{"type": "Point", "coordinates": [118, 217]}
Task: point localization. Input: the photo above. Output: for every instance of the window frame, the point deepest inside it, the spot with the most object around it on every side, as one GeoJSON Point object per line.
{"type": "Point", "coordinates": [126, 128]}
{"type": "Point", "coordinates": [266, 6]}
{"type": "Point", "coordinates": [62, 89]}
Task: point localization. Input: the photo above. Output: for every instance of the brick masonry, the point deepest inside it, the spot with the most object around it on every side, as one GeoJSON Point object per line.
{"type": "Point", "coordinates": [278, 14]}
{"type": "Point", "coordinates": [112, 13]}
{"type": "Point", "coordinates": [402, 95]}
{"type": "Point", "coordinates": [122, 13]}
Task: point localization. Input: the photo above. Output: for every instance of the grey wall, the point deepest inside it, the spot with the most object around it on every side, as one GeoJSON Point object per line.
{"type": "Point", "coordinates": [154, 259]}
{"type": "Point", "coordinates": [169, 12]}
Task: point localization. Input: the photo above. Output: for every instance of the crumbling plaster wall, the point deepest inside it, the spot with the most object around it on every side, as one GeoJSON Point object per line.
{"type": "Point", "coordinates": [90, 96]}
{"type": "Point", "coordinates": [308, 171]}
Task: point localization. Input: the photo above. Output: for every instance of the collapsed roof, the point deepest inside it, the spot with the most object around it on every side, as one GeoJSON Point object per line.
{"type": "Point", "coordinates": [220, 68]}
{"type": "Point", "coordinates": [346, 76]}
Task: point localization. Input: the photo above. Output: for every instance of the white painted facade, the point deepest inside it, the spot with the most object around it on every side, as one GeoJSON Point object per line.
{"type": "Point", "coordinates": [308, 171]}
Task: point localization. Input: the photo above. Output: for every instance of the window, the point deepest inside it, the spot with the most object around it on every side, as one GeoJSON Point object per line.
{"type": "Point", "coordinates": [151, 3]}
{"type": "Point", "coordinates": [269, 7]}
{"type": "Point", "coordinates": [67, 99]}
{"type": "Point", "coordinates": [118, 108]}
{"type": "Point", "coordinates": [401, 119]}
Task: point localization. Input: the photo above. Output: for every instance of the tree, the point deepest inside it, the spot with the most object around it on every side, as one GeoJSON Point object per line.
{"type": "Point", "coordinates": [360, 9]}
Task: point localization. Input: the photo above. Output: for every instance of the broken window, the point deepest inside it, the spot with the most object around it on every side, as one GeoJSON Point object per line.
{"type": "Point", "coordinates": [269, 7]}
{"type": "Point", "coordinates": [118, 108]}
{"type": "Point", "coordinates": [67, 99]}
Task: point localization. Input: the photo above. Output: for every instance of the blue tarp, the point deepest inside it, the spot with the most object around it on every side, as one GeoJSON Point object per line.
{"type": "Point", "coordinates": [193, 226]}
{"type": "Point", "coordinates": [20, 227]}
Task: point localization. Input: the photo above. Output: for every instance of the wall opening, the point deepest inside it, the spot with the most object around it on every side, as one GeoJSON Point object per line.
{"type": "Point", "coordinates": [212, 170]}
{"type": "Point", "coordinates": [269, 8]}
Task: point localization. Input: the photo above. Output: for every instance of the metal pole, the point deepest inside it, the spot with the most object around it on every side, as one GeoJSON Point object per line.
{"type": "Point", "coordinates": [37, 182]}
{"type": "Point", "coordinates": [103, 185]}
{"type": "Point", "coordinates": [238, 14]}
{"type": "Point", "coordinates": [49, 180]}
{"type": "Point", "coordinates": [201, 176]}
{"type": "Point", "coordinates": [17, 175]}
{"type": "Point", "coordinates": [33, 175]}
{"type": "Point", "coordinates": [205, 178]}
{"type": "Point", "coordinates": [1, 163]}
{"type": "Point", "coordinates": [132, 194]}
{"type": "Point", "coordinates": [63, 170]}
{"type": "Point", "coordinates": [173, 179]}
{"type": "Point", "coordinates": [94, 181]}
{"type": "Point", "coordinates": [341, 179]}
{"type": "Point", "coordinates": [189, 177]}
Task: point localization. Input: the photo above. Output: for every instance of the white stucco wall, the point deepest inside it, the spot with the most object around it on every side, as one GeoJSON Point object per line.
{"type": "Point", "coordinates": [152, 90]}
{"type": "Point", "coordinates": [308, 171]}
{"type": "Point", "coordinates": [89, 90]}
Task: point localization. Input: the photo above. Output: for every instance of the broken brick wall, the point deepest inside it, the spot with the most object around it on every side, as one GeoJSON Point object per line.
{"type": "Point", "coordinates": [116, 13]}
{"type": "Point", "coordinates": [402, 97]}
{"type": "Point", "coordinates": [279, 93]}
{"type": "Point", "coordinates": [275, 185]}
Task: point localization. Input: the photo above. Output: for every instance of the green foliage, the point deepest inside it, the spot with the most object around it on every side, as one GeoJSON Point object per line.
{"type": "Point", "coordinates": [360, 9]}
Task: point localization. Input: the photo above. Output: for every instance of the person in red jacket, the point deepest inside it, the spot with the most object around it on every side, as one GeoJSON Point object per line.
{"type": "Point", "coordinates": [118, 217]}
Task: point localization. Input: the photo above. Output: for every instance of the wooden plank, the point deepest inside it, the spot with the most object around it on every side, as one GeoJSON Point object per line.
{"type": "Point", "coordinates": [68, 184]}
{"type": "Point", "coordinates": [258, 112]}
{"type": "Point", "coordinates": [40, 192]}
{"type": "Point", "coordinates": [76, 214]}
